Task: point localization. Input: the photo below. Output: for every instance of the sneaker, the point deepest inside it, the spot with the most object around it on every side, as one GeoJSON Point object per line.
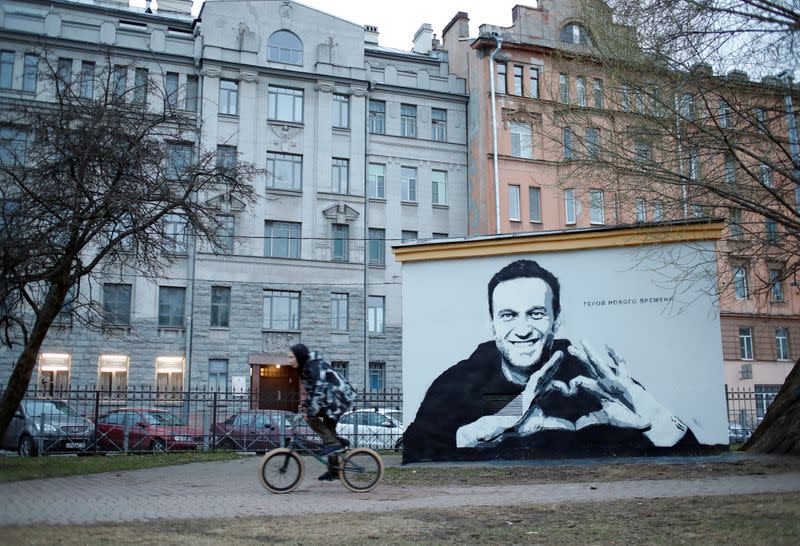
{"type": "Point", "coordinates": [328, 476]}
{"type": "Point", "coordinates": [331, 449]}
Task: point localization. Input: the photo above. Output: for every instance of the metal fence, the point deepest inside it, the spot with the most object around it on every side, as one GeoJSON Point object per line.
{"type": "Point", "coordinates": [90, 420]}
{"type": "Point", "coordinates": [746, 409]}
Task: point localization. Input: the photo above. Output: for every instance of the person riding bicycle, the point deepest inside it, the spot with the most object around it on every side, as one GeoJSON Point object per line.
{"type": "Point", "coordinates": [328, 396]}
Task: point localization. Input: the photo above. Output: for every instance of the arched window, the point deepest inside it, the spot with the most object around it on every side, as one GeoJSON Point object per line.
{"type": "Point", "coordinates": [285, 47]}
{"type": "Point", "coordinates": [574, 33]}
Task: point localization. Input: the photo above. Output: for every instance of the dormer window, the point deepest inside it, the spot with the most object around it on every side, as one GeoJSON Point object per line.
{"type": "Point", "coordinates": [574, 33]}
{"type": "Point", "coordinates": [285, 47]}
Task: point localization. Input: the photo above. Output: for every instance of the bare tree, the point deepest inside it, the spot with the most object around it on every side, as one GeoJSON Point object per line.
{"type": "Point", "coordinates": [88, 176]}
{"type": "Point", "coordinates": [686, 133]}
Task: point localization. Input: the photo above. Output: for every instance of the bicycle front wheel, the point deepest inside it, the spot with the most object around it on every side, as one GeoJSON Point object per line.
{"type": "Point", "coordinates": [361, 470]}
{"type": "Point", "coordinates": [281, 470]}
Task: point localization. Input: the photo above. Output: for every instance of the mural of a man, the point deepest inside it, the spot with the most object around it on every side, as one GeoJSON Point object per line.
{"type": "Point", "coordinates": [527, 391]}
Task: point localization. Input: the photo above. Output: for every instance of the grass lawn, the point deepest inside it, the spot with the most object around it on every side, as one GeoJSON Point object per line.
{"type": "Point", "coordinates": [18, 468]}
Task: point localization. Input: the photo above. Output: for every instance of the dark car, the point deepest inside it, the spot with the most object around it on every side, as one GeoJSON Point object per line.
{"type": "Point", "coordinates": [145, 430]}
{"type": "Point", "coordinates": [257, 430]}
{"type": "Point", "coordinates": [48, 426]}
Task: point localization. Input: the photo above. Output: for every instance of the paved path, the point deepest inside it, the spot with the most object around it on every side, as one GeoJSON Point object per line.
{"type": "Point", "coordinates": [231, 488]}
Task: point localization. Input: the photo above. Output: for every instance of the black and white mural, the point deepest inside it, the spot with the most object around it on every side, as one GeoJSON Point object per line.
{"type": "Point", "coordinates": [581, 353]}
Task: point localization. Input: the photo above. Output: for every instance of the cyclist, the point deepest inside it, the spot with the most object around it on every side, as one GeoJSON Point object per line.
{"type": "Point", "coordinates": [328, 396]}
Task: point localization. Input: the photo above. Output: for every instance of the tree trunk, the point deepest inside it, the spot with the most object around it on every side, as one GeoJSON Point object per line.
{"type": "Point", "coordinates": [779, 432]}
{"type": "Point", "coordinates": [21, 376]}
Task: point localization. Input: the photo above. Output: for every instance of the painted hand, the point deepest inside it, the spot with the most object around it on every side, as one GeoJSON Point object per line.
{"type": "Point", "coordinates": [486, 429]}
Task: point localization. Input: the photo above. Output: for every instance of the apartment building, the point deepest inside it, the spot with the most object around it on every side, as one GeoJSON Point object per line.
{"type": "Point", "coordinates": [362, 146]}
{"type": "Point", "coordinates": [537, 174]}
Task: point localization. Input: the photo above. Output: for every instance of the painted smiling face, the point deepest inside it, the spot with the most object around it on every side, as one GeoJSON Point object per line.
{"type": "Point", "coordinates": [522, 322]}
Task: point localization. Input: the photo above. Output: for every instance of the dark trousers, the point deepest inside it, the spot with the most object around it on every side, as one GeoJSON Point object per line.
{"type": "Point", "coordinates": [326, 428]}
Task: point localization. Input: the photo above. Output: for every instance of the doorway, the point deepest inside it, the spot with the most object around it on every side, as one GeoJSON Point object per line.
{"type": "Point", "coordinates": [278, 388]}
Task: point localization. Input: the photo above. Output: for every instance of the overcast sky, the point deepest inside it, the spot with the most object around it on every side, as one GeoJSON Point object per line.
{"type": "Point", "coordinates": [398, 21]}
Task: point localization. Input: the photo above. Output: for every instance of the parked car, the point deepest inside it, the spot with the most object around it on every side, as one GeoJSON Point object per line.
{"type": "Point", "coordinates": [257, 430]}
{"type": "Point", "coordinates": [738, 433]}
{"type": "Point", "coordinates": [45, 426]}
{"type": "Point", "coordinates": [378, 428]}
{"type": "Point", "coordinates": [145, 430]}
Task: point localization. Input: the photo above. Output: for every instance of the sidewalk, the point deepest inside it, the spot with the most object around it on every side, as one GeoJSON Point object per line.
{"type": "Point", "coordinates": [231, 489]}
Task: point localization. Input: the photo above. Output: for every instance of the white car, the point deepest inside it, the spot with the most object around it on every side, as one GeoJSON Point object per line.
{"type": "Point", "coordinates": [378, 428]}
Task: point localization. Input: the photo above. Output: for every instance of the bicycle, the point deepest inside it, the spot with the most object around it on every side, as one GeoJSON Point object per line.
{"type": "Point", "coordinates": [282, 469]}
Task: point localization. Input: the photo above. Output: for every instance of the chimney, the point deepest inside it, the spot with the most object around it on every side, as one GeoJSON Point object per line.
{"type": "Point", "coordinates": [370, 34]}
{"type": "Point", "coordinates": [423, 39]}
{"type": "Point", "coordinates": [461, 23]}
{"type": "Point", "coordinates": [184, 7]}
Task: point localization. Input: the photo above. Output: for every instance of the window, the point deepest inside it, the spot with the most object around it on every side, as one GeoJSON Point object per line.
{"type": "Point", "coordinates": [597, 211]}
{"type": "Point", "coordinates": [284, 171]}
{"type": "Point", "coordinates": [30, 72]}
{"type": "Point", "coordinates": [501, 78]}
{"type": "Point", "coordinates": [227, 156]}
{"type": "Point", "coordinates": [521, 141]}
{"type": "Point", "coordinates": [175, 234]}
{"type": "Point", "coordinates": [377, 246]}
{"type": "Point", "coordinates": [218, 374]}
{"type": "Point", "coordinates": [694, 164]}
{"type": "Point", "coordinates": [735, 223]}
{"type": "Point", "coordinates": [625, 98]}
{"type": "Point", "coordinates": [63, 74]}
{"type": "Point", "coordinates": [408, 183]}
{"type": "Point", "coordinates": [6, 69]}
{"type": "Point", "coordinates": [568, 152]}
{"type": "Point", "coordinates": [776, 286]}
{"type": "Point", "coordinates": [225, 233]}
{"type": "Point", "coordinates": [64, 316]}
{"type": "Point", "coordinates": [746, 343]}
{"type": "Point", "coordinates": [113, 373]}
{"type": "Point", "coordinates": [640, 109]}
{"type": "Point", "coordinates": [169, 373]}
{"type": "Point", "coordinates": [281, 239]}
{"type": "Point", "coordinates": [339, 311]}
{"type": "Point", "coordinates": [592, 142]}
{"type": "Point", "coordinates": [686, 107]}
{"type": "Point", "coordinates": [220, 306]}
{"type": "Point", "coordinates": [746, 371]}
{"type": "Point", "coordinates": [192, 94]}
{"type": "Point", "coordinates": [13, 145]}
{"type": "Point", "coordinates": [285, 47]}
{"type": "Point", "coordinates": [228, 97]}
{"type": "Point", "coordinates": [643, 151]}
{"type": "Point", "coordinates": [575, 34]}
{"type": "Point", "coordinates": [563, 88]}
{"type": "Point", "coordinates": [658, 211]}
{"type": "Point", "coordinates": [119, 81]}
{"type": "Point", "coordinates": [765, 394]}
{"type": "Point", "coordinates": [580, 87]}
{"type": "Point", "coordinates": [534, 90]}
{"type": "Point", "coordinates": [377, 376]}
{"type": "Point", "coordinates": [724, 114]}
{"type": "Point", "coordinates": [761, 120]}
{"type": "Point", "coordinates": [597, 84]}
{"type": "Point", "coordinates": [771, 231]}
{"type": "Point", "coordinates": [340, 178]}
{"type": "Point", "coordinates": [377, 117]}
{"type": "Point", "coordinates": [569, 205]}
{"type": "Point", "coordinates": [376, 180]}
{"type": "Point", "coordinates": [141, 83]}
{"type": "Point", "coordinates": [439, 124]}
{"type": "Point", "coordinates": [285, 104]}
{"type": "Point", "coordinates": [375, 312]}
{"type": "Point", "coordinates": [518, 80]}
{"type": "Point", "coordinates": [171, 305]}
{"type": "Point", "coordinates": [408, 120]}
{"type": "Point", "coordinates": [641, 211]}
{"type": "Point", "coordinates": [116, 304]}
{"type": "Point", "coordinates": [340, 239]}
{"type": "Point", "coordinates": [765, 174]}
{"type": "Point", "coordinates": [87, 79]}
{"type": "Point", "coordinates": [439, 187]}
{"type": "Point", "coordinates": [513, 202]}
{"type": "Point", "coordinates": [54, 371]}
{"type": "Point", "coordinates": [281, 310]}
{"type": "Point", "coordinates": [781, 344]}
{"type": "Point", "coordinates": [179, 158]}
{"type": "Point", "coordinates": [535, 204]}
{"type": "Point", "coordinates": [171, 89]}
{"type": "Point", "coordinates": [407, 236]}
{"type": "Point", "coordinates": [341, 111]}
{"type": "Point", "coordinates": [340, 367]}
{"type": "Point", "coordinates": [740, 282]}
{"type": "Point", "coordinates": [730, 168]}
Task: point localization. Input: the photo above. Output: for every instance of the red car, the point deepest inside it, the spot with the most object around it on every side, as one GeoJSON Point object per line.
{"type": "Point", "coordinates": [257, 430]}
{"type": "Point", "coordinates": [145, 430]}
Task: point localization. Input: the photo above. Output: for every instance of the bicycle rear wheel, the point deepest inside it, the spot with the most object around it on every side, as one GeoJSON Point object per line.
{"type": "Point", "coordinates": [281, 470]}
{"type": "Point", "coordinates": [361, 469]}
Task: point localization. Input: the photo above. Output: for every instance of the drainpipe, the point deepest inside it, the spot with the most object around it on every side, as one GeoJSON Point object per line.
{"type": "Point", "coordinates": [499, 42]}
{"type": "Point", "coordinates": [366, 240]}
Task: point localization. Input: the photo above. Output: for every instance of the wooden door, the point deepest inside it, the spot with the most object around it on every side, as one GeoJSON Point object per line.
{"type": "Point", "coordinates": [278, 388]}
